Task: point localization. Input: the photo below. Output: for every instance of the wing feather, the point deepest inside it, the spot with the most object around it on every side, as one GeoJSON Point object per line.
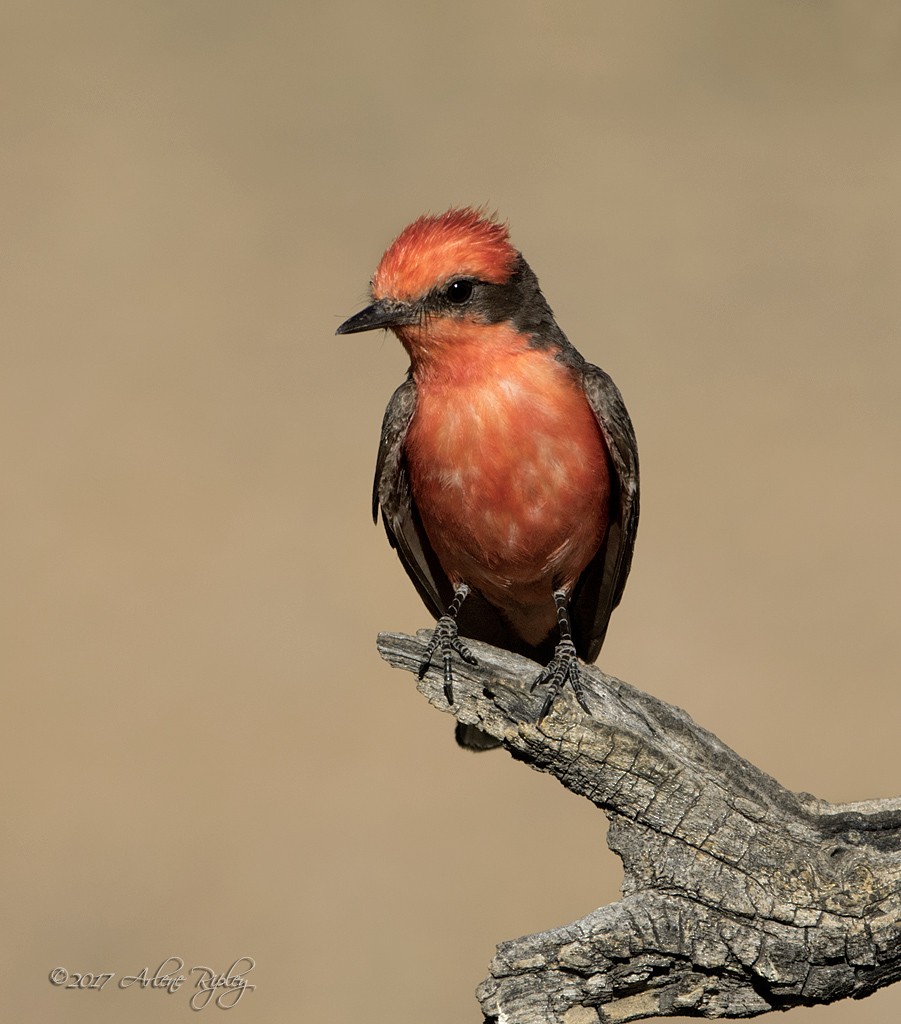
{"type": "Point", "coordinates": [391, 492]}
{"type": "Point", "coordinates": [600, 587]}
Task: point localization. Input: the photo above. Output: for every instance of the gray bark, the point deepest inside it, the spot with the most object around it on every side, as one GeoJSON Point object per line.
{"type": "Point", "coordinates": [739, 896]}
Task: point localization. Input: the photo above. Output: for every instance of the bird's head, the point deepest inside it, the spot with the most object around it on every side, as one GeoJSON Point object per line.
{"type": "Point", "coordinates": [445, 281]}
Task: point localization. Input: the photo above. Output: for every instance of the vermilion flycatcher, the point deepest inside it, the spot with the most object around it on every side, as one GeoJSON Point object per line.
{"type": "Point", "coordinates": [507, 472]}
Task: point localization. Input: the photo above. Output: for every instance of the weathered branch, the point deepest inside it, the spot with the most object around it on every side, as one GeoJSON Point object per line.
{"type": "Point", "coordinates": [739, 896]}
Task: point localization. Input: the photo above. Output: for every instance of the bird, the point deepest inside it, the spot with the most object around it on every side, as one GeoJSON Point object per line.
{"type": "Point", "coordinates": [507, 470]}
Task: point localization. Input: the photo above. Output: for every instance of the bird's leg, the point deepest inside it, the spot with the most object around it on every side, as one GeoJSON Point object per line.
{"type": "Point", "coordinates": [447, 638]}
{"type": "Point", "coordinates": [564, 666]}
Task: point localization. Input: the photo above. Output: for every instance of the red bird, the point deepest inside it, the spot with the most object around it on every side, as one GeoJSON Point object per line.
{"type": "Point", "coordinates": [507, 472]}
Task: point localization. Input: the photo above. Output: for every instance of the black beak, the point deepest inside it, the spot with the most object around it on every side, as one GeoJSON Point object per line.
{"type": "Point", "coordinates": [381, 314]}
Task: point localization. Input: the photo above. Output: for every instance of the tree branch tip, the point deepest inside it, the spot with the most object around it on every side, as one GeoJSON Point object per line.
{"type": "Point", "coordinates": [741, 896]}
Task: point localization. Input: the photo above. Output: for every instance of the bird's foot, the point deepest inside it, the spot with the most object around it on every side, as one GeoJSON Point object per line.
{"type": "Point", "coordinates": [447, 639]}
{"type": "Point", "coordinates": [563, 668]}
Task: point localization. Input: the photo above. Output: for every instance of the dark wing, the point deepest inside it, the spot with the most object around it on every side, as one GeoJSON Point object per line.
{"type": "Point", "coordinates": [391, 492]}
{"type": "Point", "coordinates": [600, 587]}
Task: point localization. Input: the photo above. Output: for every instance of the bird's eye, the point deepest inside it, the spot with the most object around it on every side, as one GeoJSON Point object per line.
{"type": "Point", "coordinates": [459, 292]}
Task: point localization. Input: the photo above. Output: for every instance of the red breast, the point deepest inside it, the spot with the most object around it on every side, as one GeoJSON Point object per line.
{"type": "Point", "coordinates": [508, 468]}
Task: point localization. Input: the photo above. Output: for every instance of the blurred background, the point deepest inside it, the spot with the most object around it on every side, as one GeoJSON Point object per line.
{"type": "Point", "coordinates": [203, 754]}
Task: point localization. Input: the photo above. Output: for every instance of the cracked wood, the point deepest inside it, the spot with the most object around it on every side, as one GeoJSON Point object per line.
{"type": "Point", "coordinates": [739, 896]}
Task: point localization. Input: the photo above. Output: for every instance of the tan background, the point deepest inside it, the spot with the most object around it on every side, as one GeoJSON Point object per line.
{"type": "Point", "coordinates": [202, 753]}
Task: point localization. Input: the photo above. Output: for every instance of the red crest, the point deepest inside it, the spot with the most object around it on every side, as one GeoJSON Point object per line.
{"type": "Point", "coordinates": [435, 248]}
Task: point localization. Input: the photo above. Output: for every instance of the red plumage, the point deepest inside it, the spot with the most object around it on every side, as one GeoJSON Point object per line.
{"type": "Point", "coordinates": [461, 241]}
{"type": "Point", "coordinates": [508, 472]}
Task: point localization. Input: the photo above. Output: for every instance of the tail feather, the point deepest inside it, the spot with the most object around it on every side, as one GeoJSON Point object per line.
{"type": "Point", "coordinates": [473, 738]}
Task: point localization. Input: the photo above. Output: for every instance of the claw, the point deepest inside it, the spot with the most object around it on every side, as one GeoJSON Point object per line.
{"type": "Point", "coordinates": [446, 639]}
{"type": "Point", "coordinates": [563, 668]}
